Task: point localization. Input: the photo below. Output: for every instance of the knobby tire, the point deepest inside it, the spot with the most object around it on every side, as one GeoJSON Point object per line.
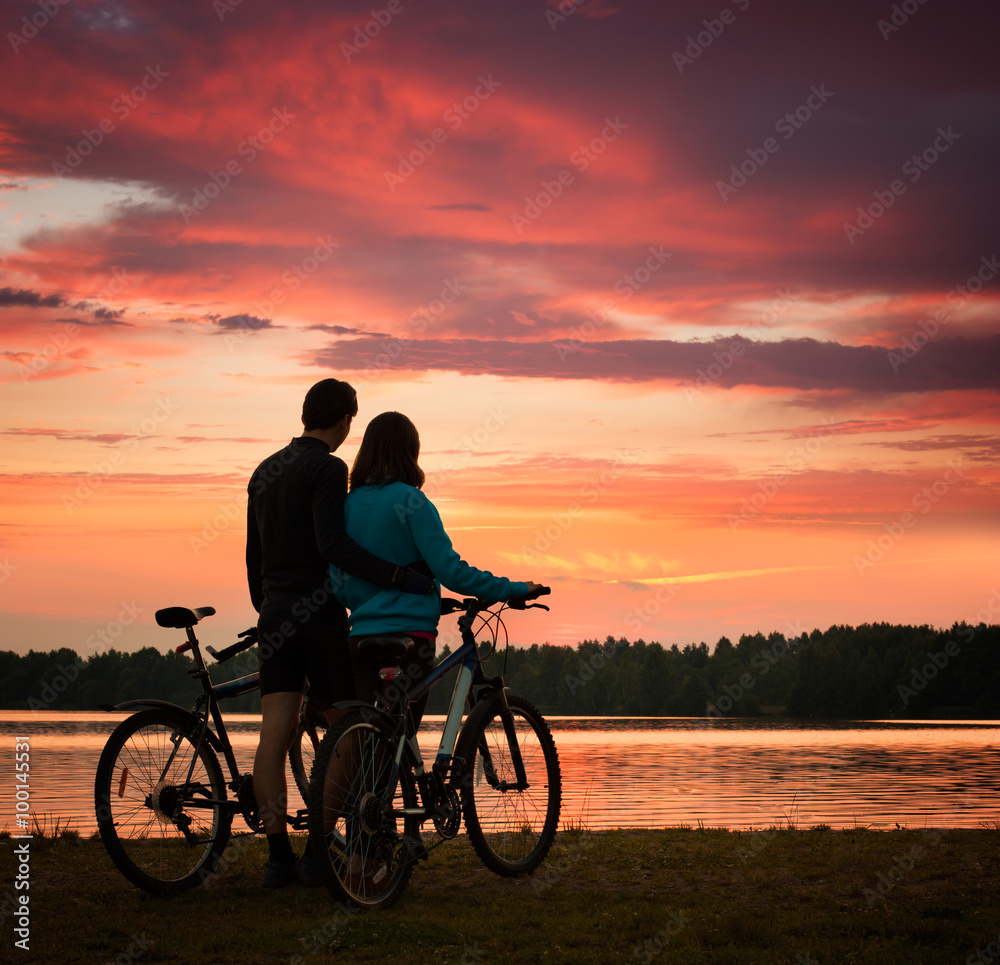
{"type": "Point", "coordinates": [511, 830]}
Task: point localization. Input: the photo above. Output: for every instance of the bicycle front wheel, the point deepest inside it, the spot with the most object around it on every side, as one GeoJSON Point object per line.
{"type": "Point", "coordinates": [355, 802]}
{"type": "Point", "coordinates": [511, 824]}
{"type": "Point", "coordinates": [160, 802]}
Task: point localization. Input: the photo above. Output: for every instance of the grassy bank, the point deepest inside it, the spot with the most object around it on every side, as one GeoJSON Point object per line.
{"type": "Point", "coordinates": [684, 896]}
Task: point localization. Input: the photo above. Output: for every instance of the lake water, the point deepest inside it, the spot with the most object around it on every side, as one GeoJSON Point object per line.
{"type": "Point", "coordinates": [647, 772]}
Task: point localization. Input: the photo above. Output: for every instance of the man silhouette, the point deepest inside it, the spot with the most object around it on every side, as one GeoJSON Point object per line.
{"type": "Point", "coordinates": [295, 529]}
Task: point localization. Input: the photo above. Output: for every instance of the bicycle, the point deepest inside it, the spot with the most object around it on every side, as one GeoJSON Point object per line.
{"type": "Point", "coordinates": [501, 770]}
{"type": "Point", "coordinates": [161, 800]}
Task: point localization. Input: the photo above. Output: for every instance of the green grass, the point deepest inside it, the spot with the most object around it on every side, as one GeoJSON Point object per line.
{"type": "Point", "coordinates": [776, 895]}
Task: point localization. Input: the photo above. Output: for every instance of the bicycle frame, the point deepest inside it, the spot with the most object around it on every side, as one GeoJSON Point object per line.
{"type": "Point", "coordinates": [470, 672]}
{"type": "Point", "coordinates": [206, 707]}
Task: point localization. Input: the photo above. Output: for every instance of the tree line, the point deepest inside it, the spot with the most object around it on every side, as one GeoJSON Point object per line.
{"type": "Point", "coordinates": [871, 671]}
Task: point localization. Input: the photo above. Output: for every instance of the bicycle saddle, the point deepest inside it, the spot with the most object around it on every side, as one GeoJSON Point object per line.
{"type": "Point", "coordinates": [181, 617]}
{"type": "Point", "coordinates": [384, 649]}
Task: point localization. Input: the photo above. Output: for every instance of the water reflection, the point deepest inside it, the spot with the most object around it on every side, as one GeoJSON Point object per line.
{"type": "Point", "coordinates": [647, 772]}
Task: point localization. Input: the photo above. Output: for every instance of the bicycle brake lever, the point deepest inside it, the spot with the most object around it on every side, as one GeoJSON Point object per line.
{"type": "Point", "coordinates": [535, 606]}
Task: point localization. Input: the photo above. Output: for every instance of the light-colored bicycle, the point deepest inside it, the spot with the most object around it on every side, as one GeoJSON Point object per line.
{"type": "Point", "coordinates": [371, 791]}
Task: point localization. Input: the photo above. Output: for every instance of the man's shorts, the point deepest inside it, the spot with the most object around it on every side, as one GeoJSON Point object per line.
{"type": "Point", "coordinates": [317, 654]}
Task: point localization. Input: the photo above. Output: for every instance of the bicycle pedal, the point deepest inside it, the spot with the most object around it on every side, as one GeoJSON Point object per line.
{"type": "Point", "coordinates": [248, 801]}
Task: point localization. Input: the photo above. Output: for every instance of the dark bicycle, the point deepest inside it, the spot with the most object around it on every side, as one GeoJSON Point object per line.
{"type": "Point", "coordinates": [371, 790]}
{"type": "Point", "coordinates": [163, 806]}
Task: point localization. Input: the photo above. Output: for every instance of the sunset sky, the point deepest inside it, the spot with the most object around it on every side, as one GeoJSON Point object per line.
{"type": "Point", "coordinates": [695, 306]}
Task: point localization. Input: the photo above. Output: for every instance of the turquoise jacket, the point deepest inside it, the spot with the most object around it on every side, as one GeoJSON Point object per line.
{"type": "Point", "coordinates": [402, 525]}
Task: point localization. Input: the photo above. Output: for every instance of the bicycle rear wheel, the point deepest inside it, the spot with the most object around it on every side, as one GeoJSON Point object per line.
{"type": "Point", "coordinates": [369, 851]}
{"type": "Point", "coordinates": [302, 753]}
{"type": "Point", "coordinates": [160, 802]}
{"type": "Point", "coordinates": [511, 827]}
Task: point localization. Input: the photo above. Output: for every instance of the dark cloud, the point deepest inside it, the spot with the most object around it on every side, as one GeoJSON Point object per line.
{"type": "Point", "coordinates": [467, 206]}
{"type": "Point", "coordinates": [979, 448]}
{"type": "Point", "coordinates": [108, 314]}
{"type": "Point", "coordinates": [344, 330]}
{"type": "Point", "coordinates": [188, 440]}
{"type": "Point", "coordinates": [29, 299]}
{"type": "Point", "coordinates": [113, 438]}
{"type": "Point", "coordinates": [845, 427]}
{"type": "Point", "coordinates": [803, 363]}
{"type": "Point", "coordinates": [103, 318]}
{"type": "Point", "coordinates": [242, 322]}
{"type": "Point", "coordinates": [64, 435]}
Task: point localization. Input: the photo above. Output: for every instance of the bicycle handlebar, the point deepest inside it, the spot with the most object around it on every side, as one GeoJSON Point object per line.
{"type": "Point", "coordinates": [450, 605]}
{"type": "Point", "coordinates": [247, 639]}
{"type": "Point", "coordinates": [521, 602]}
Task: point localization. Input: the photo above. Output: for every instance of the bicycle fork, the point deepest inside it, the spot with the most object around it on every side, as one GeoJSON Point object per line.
{"type": "Point", "coordinates": [507, 719]}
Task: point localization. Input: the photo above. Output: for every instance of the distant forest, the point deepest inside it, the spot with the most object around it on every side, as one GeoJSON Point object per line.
{"type": "Point", "coordinates": [871, 671]}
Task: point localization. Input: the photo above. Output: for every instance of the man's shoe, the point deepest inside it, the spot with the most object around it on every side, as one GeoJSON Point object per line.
{"type": "Point", "coordinates": [308, 871]}
{"type": "Point", "coordinates": [277, 874]}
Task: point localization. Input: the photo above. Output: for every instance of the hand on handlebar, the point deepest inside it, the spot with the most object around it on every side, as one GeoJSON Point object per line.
{"type": "Point", "coordinates": [535, 590]}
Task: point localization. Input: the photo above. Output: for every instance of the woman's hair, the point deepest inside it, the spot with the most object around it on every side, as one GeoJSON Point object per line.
{"type": "Point", "coordinates": [388, 453]}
